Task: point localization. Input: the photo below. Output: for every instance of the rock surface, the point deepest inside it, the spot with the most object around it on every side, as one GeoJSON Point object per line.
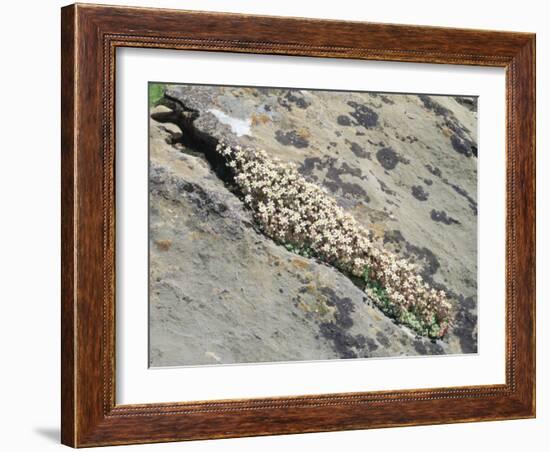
{"type": "Point", "coordinates": [221, 292]}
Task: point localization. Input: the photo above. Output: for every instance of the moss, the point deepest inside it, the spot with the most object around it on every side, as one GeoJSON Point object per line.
{"type": "Point", "coordinates": [301, 250]}
{"type": "Point", "coordinates": [430, 328]}
{"type": "Point", "coordinates": [156, 93]}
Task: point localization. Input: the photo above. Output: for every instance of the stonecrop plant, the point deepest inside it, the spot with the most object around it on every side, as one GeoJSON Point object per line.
{"type": "Point", "coordinates": [303, 217]}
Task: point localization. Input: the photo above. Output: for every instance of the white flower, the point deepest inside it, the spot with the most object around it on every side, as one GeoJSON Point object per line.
{"type": "Point", "coordinates": [282, 201]}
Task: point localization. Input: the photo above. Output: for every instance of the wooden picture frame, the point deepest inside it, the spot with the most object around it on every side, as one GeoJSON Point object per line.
{"type": "Point", "coordinates": [90, 36]}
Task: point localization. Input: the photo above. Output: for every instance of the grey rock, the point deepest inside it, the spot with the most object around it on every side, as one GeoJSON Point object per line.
{"type": "Point", "coordinates": [221, 292]}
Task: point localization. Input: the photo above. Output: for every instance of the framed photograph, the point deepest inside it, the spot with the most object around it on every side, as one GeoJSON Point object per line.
{"type": "Point", "coordinates": [280, 225]}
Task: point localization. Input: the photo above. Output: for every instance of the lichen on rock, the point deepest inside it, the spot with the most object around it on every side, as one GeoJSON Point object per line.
{"type": "Point", "coordinates": [222, 291]}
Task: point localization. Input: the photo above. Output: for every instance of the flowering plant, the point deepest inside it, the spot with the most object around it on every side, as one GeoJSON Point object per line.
{"type": "Point", "coordinates": [303, 216]}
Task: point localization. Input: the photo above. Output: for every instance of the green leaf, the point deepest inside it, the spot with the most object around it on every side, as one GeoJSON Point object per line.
{"type": "Point", "coordinates": [366, 272]}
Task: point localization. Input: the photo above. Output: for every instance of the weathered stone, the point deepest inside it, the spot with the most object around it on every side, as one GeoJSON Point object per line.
{"type": "Point", "coordinates": [221, 292]}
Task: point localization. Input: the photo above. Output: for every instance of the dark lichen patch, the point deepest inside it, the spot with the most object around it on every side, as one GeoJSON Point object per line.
{"type": "Point", "coordinates": [434, 170]}
{"type": "Point", "coordinates": [426, 257]}
{"type": "Point", "coordinates": [460, 141]}
{"type": "Point", "coordinates": [283, 103]}
{"type": "Point", "coordinates": [403, 160]}
{"type": "Point", "coordinates": [408, 138]}
{"type": "Point", "coordinates": [291, 138]}
{"type": "Point", "coordinates": [371, 344]}
{"type": "Point", "coordinates": [469, 302]}
{"type": "Point", "coordinates": [347, 188]}
{"type": "Point", "coordinates": [420, 347]}
{"type": "Point", "coordinates": [469, 102]}
{"type": "Point", "coordinates": [344, 308]}
{"type": "Point", "coordinates": [434, 106]}
{"type": "Point", "coordinates": [383, 339]}
{"type": "Point", "coordinates": [465, 326]}
{"type": "Point", "coordinates": [165, 185]}
{"type": "Point", "coordinates": [441, 216]}
{"type": "Point", "coordinates": [471, 201]}
{"type": "Point", "coordinates": [372, 104]}
{"type": "Point", "coordinates": [293, 98]}
{"type": "Point", "coordinates": [419, 193]}
{"type": "Point", "coordinates": [308, 165]}
{"type": "Point", "coordinates": [430, 263]}
{"type": "Point", "coordinates": [363, 115]}
{"type": "Point", "coordinates": [359, 151]}
{"type": "Point", "coordinates": [428, 181]}
{"type": "Point", "coordinates": [388, 158]}
{"type": "Point", "coordinates": [334, 180]}
{"type": "Point", "coordinates": [298, 99]}
{"type": "Point", "coordinates": [385, 188]}
{"type": "Point", "coordinates": [435, 348]}
{"type": "Point", "coordinates": [347, 345]}
{"type": "Point", "coordinates": [386, 99]}
{"type": "Point", "coordinates": [343, 120]}
{"type": "Point", "coordinates": [464, 146]}
{"type": "Point", "coordinates": [333, 176]}
{"type": "Point", "coordinates": [343, 342]}
{"type": "Point", "coordinates": [428, 348]}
